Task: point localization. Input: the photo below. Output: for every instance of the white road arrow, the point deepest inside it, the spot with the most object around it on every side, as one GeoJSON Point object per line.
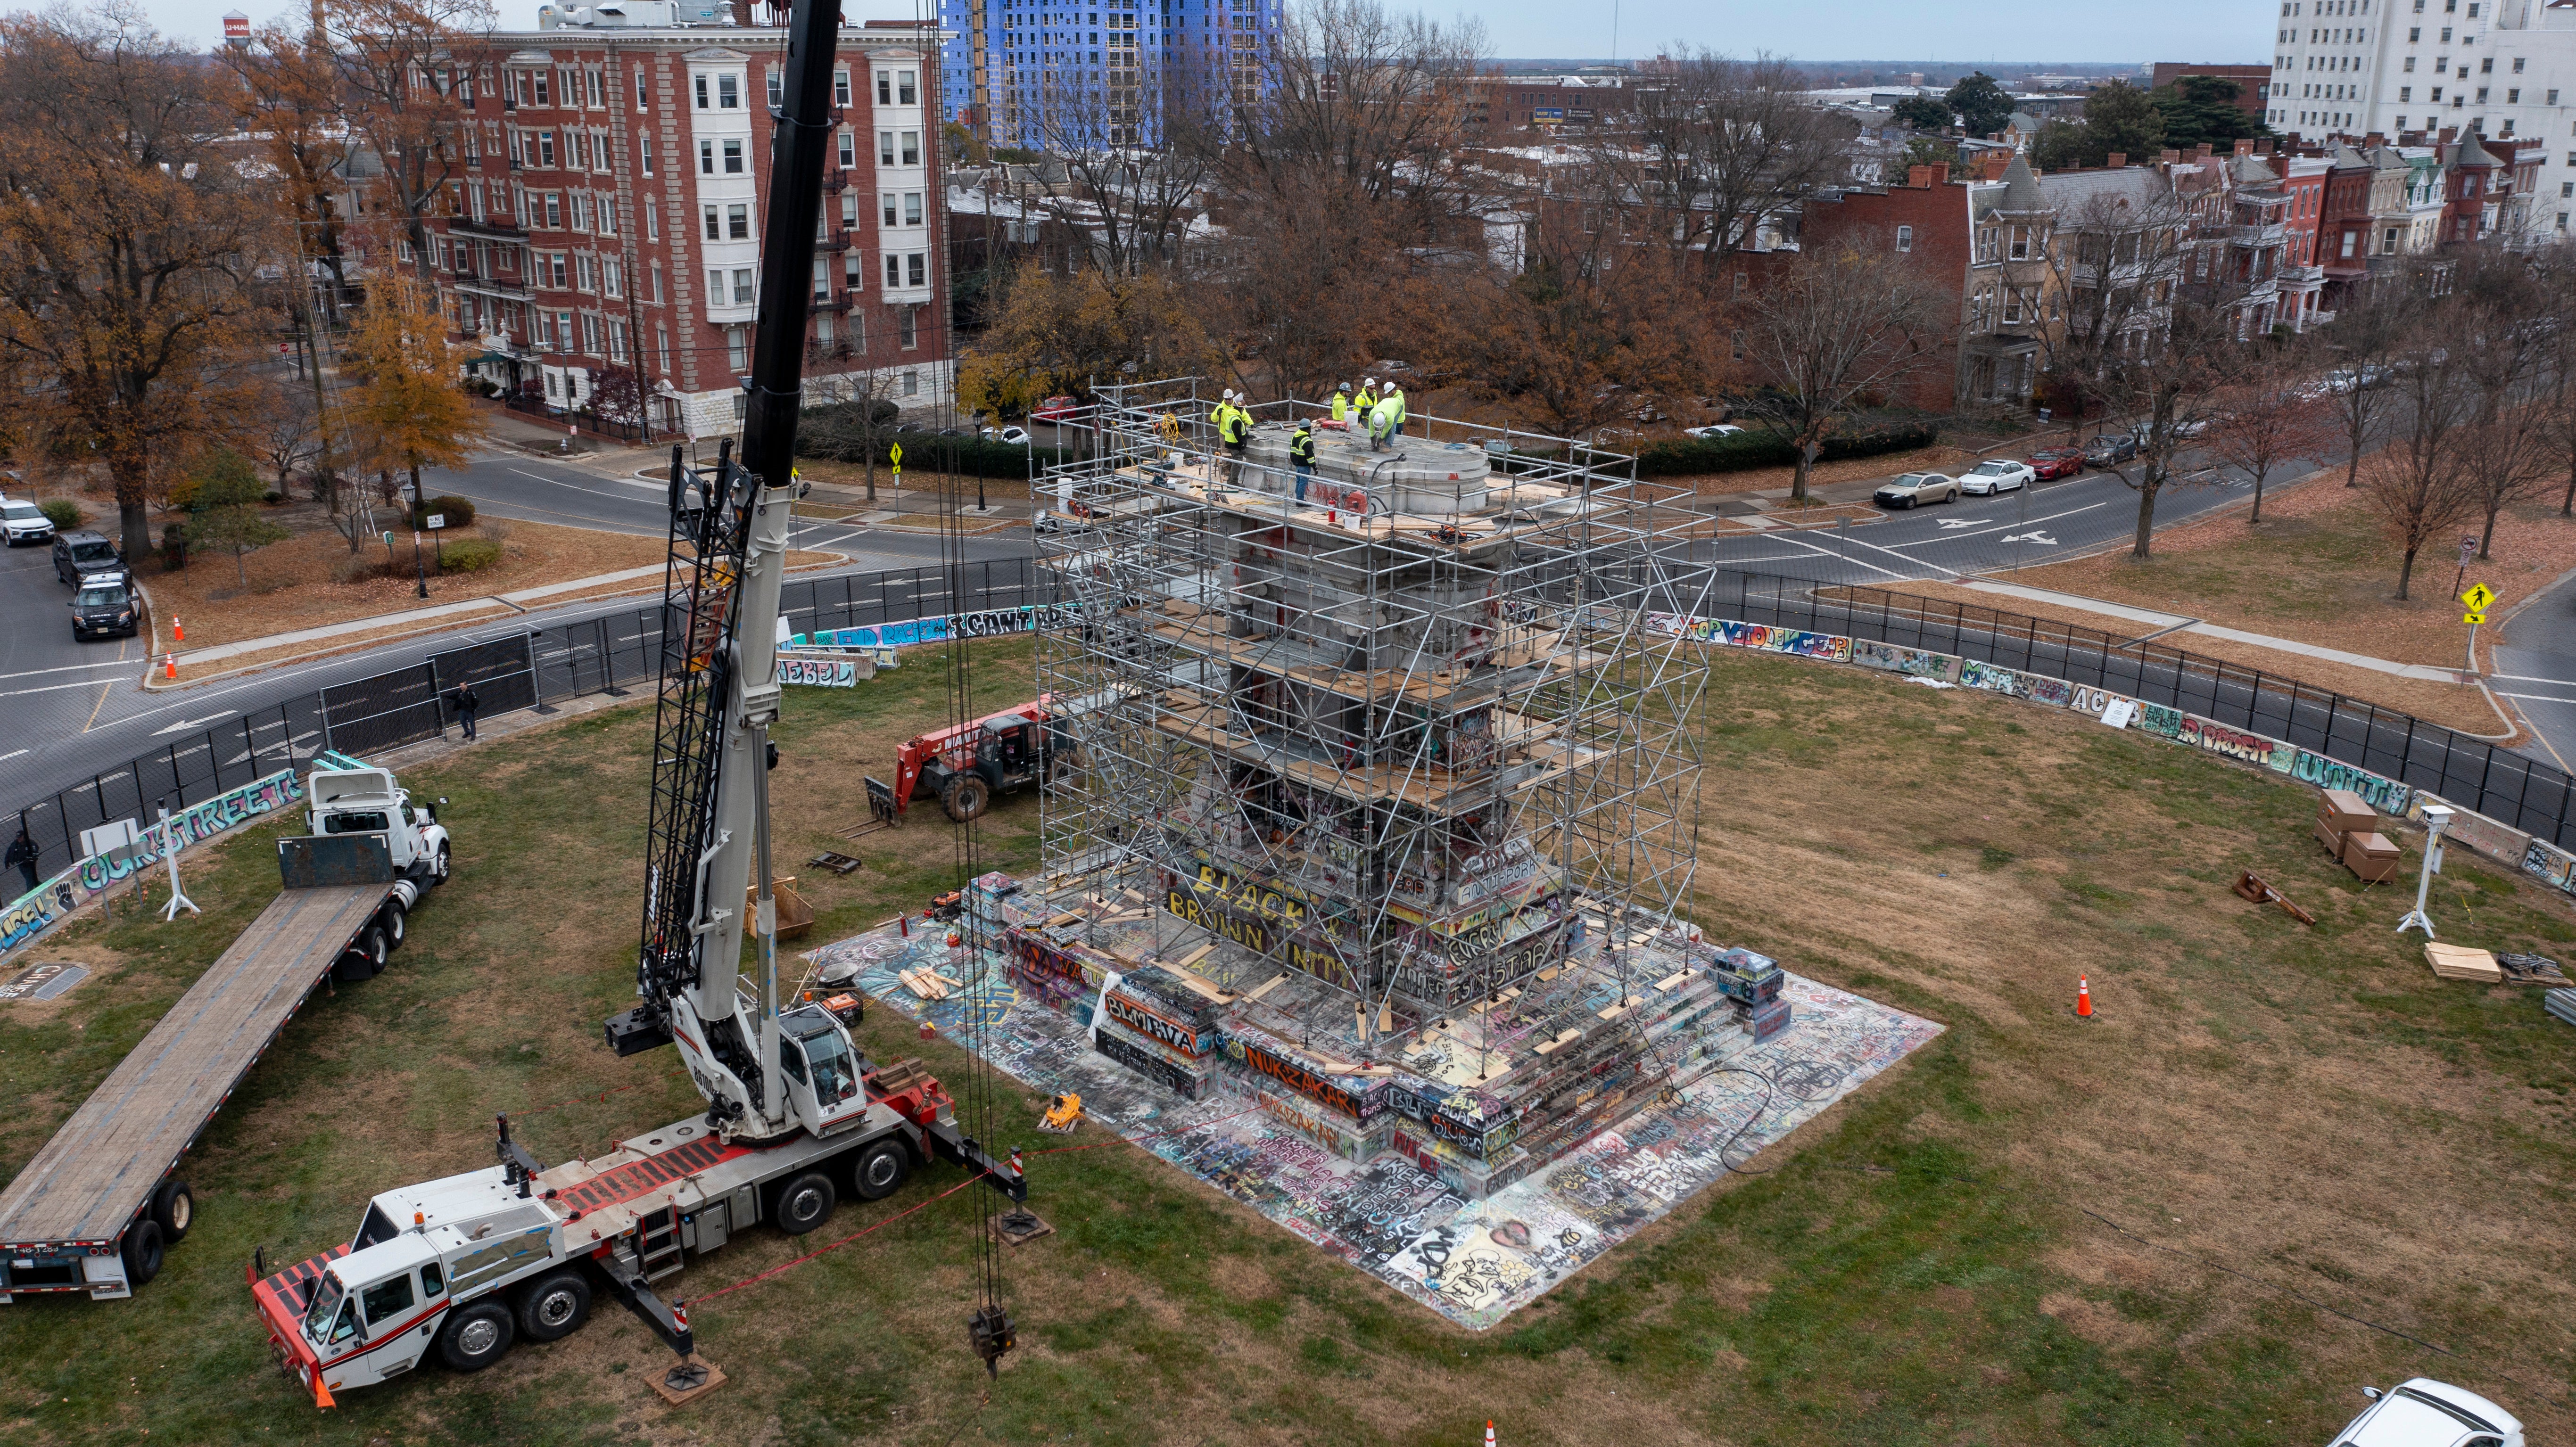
{"type": "Point", "coordinates": [2043, 539]}
{"type": "Point", "coordinates": [1948, 523]}
{"type": "Point", "coordinates": [192, 723]}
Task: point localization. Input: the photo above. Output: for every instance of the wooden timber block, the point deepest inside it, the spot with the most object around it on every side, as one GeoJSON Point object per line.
{"type": "Point", "coordinates": [1019, 1226]}
{"type": "Point", "coordinates": [1201, 953]}
{"type": "Point", "coordinates": [1668, 982]}
{"type": "Point", "coordinates": [1264, 988]}
{"type": "Point", "coordinates": [2459, 962]}
{"type": "Point", "coordinates": [676, 1396]}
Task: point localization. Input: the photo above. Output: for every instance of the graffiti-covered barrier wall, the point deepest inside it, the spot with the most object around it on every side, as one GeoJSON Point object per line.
{"type": "Point", "coordinates": [52, 901]}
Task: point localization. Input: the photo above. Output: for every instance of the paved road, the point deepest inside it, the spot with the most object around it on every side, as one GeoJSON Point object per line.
{"type": "Point", "coordinates": [68, 710]}
{"type": "Point", "coordinates": [2535, 669]}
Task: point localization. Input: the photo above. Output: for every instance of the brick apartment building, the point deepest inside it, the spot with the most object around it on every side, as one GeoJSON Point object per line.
{"type": "Point", "coordinates": [610, 212]}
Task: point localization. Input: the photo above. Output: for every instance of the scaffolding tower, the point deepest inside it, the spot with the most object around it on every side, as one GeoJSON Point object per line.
{"type": "Point", "coordinates": [1398, 723]}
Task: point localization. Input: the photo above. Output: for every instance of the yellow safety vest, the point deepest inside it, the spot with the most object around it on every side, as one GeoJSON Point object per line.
{"type": "Point", "coordinates": [1396, 396]}
{"type": "Point", "coordinates": [1341, 406]}
{"type": "Point", "coordinates": [1365, 401]}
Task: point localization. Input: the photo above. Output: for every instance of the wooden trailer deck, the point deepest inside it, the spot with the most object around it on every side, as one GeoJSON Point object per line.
{"type": "Point", "coordinates": [87, 1182]}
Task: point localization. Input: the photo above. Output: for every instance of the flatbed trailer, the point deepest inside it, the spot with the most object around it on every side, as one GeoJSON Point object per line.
{"type": "Point", "coordinates": [95, 1209]}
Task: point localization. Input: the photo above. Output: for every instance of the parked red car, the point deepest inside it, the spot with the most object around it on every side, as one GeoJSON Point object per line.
{"type": "Point", "coordinates": [2057, 462]}
{"type": "Point", "coordinates": [1053, 409]}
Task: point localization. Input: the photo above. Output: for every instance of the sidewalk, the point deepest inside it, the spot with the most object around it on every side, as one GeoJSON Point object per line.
{"type": "Point", "coordinates": [515, 602]}
{"type": "Point", "coordinates": [2159, 624]}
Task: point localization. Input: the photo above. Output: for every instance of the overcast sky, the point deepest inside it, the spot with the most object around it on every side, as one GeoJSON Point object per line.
{"type": "Point", "coordinates": [2003, 30]}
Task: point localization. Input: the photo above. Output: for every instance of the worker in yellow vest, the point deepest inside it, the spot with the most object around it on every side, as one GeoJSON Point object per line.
{"type": "Point", "coordinates": [1395, 395]}
{"type": "Point", "coordinates": [1342, 404]}
{"type": "Point", "coordinates": [1365, 403]}
{"type": "Point", "coordinates": [1235, 431]}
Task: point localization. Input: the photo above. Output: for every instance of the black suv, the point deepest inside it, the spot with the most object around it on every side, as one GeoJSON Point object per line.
{"type": "Point", "coordinates": [84, 555]}
{"type": "Point", "coordinates": [103, 608]}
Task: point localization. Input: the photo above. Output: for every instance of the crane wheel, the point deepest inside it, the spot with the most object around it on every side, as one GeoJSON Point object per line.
{"type": "Point", "coordinates": [880, 1170]}
{"type": "Point", "coordinates": [804, 1203]}
{"type": "Point", "coordinates": [554, 1307]}
{"type": "Point", "coordinates": [477, 1334]}
{"type": "Point", "coordinates": [966, 797]}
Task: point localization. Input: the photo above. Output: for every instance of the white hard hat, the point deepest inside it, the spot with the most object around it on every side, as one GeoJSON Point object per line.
{"type": "Point", "coordinates": [1369, 382]}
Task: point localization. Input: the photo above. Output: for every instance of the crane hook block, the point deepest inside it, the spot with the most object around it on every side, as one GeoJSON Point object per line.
{"type": "Point", "coordinates": [990, 1330]}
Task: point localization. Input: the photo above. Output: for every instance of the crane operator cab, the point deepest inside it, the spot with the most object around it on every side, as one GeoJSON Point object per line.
{"type": "Point", "coordinates": [822, 1070]}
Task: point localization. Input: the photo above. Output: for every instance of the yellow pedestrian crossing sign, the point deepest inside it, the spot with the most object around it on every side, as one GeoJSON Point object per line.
{"type": "Point", "coordinates": [2478, 597]}
{"type": "Point", "coordinates": [2473, 619]}
{"type": "Point", "coordinates": [894, 455]}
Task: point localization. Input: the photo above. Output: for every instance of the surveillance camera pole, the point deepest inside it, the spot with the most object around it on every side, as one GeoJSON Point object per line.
{"type": "Point", "coordinates": [170, 851]}
{"type": "Point", "coordinates": [2435, 816]}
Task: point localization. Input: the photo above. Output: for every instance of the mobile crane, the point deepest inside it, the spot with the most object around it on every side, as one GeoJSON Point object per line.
{"type": "Point", "coordinates": [796, 1115]}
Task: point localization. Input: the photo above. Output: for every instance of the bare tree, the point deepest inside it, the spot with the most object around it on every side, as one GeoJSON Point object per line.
{"type": "Point", "coordinates": [2500, 301]}
{"type": "Point", "coordinates": [1836, 325]}
{"type": "Point", "coordinates": [286, 432]}
{"type": "Point", "coordinates": [399, 70]}
{"type": "Point", "coordinates": [1343, 174]}
{"type": "Point", "coordinates": [2425, 481]}
{"type": "Point", "coordinates": [1720, 148]}
{"type": "Point", "coordinates": [2365, 339]}
{"type": "Point", "coordinates": [1137, 158]}
{"type": "Point", "coordinates": [2272, 418]}
{"type": "Point", "coordinates": [2158, 324]}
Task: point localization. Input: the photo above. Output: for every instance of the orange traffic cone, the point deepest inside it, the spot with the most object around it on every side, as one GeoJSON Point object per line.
{"type": "Point", "coordinates": [1489, 1432]}
{"type": "Point", "coordinates": [169, 666]}
{"type": "Point", "coordinates": [177, 633]}
{"type": "Point", "coordinates": [2083, 998]}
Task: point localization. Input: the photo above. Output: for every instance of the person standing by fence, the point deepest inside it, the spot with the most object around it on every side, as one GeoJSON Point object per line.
{"type": "Point", "coordinates": [22, 857]}
{"type": "Point", "coordinates": [466, 703]}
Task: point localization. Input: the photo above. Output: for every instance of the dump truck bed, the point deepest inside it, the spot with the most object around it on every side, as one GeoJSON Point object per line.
{"type": "Point", "coordinates": [98, 1170]}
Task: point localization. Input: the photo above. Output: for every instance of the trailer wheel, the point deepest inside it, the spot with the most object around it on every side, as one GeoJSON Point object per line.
{"type": "Point", "coordinates": [365, 958]}
{"type": "Point", "coordinates": [966, 797]}
{"type": "Point", "coordinates": [555, 1307]}
{"type": "Point", "coordinates": [142, 1252]}
{"type": "Point", "coordinates": [396, 922]}
{"type": "Point", "coordinates": [175, 1207]}
{"type": "Point", "coordinates": [476, 1336]}
{"type": "Point", "coordinates": [804, 1203]}
{"type": "Point", "coordinates": [880, 1170]}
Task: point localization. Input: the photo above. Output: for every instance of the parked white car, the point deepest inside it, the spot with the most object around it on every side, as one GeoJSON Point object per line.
{"type": "Point", "coordinates": [1007, 436]}
{"type": "Point", "coordinates": [2427, 1413]}
{"type": "Point", "coordinates": [1997, 474]}
{"type": "Point", "coordinates": [1712, 432]}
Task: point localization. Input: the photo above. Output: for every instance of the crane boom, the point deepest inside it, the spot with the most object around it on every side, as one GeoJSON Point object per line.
{"type": "Point", "coordinates": [707, 834]}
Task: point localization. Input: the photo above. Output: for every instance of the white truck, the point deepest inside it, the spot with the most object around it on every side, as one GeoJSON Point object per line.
{"type": "Point", "coordinates": [95, 1209]}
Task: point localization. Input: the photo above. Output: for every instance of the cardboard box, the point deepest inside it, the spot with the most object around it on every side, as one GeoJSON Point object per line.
{"type": "Point", "coordinates": [2347, 811]}
{"type": "Point", "coordinates": [2331, 837]}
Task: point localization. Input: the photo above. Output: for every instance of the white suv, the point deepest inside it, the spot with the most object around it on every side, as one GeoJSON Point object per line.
{"type": "Point", "coordinates": [2427, 1413]}
{"type": "Point", "coordinates": [24, 522]}
{"type": "Point", "coordinates": [1996, 474]}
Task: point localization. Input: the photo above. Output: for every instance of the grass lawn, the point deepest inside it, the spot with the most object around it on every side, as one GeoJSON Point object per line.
{"type": "Point", "coordinates": [2320, 568]}
{"type": "Point", "coordinates": [2311, 1108]}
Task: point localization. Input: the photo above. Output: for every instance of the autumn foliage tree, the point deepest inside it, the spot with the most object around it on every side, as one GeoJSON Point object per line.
{"type": "Point", "coordinates": [406, 409]}
{"type": "Point", "coordinates": [127, 245]}
{"type": "Point", "coordinates": [398, 69]}
{"type": "Point", "coordinates": [1066, 334]}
